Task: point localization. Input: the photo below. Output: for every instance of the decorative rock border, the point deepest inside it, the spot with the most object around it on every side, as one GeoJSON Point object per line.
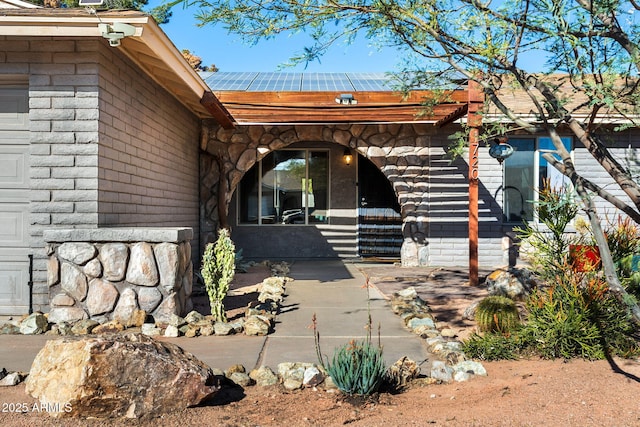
{"type": "Point", "coordinates": [453, 364]}
{"type": "Point", "coordinates": [258, 320]}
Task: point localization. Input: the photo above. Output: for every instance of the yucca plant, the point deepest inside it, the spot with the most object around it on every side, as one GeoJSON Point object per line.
{"type": "Point", "coordinates": [496, 313]}
{"type": "Point", "coordinates": [357, 368]}
{"type": "Point", "coordinates": [218, 269]}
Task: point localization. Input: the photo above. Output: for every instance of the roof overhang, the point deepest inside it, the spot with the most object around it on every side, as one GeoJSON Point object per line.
{"type": "Point", "coordinates": [149, 48]}
{"type": "Point", "coordinates": [304, 107]}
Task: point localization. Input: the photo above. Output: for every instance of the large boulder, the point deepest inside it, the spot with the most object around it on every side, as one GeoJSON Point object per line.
{"type": "Point", "coordinates": [514, 283]}
{"type": "Point", "coordinates": [128, 375]}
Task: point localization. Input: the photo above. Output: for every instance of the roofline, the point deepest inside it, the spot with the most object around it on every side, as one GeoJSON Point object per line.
{"type": "Point", "coordinates": [147, 31]}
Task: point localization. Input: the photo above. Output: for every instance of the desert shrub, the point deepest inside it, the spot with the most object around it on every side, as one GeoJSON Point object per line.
{"type": "Point", "coordinates": [497, 313]}
{"type": "Point", "coordinates": [548, 240]}
{"type": "Point", "coordinates": [623, 238]}
{"type": "Point", "coordinates": [492, 346]}
{"type": "Point", "coordinates": [218, 269]}
{"type": "Point", "coordinates": [357, 368]}
{"type": "Point", "coordinates": [577, 317]}
{"type": "Point", "coordinates": [629, 278]}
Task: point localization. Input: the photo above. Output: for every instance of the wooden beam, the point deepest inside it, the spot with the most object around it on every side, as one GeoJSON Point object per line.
{"type": "Point", "coordinates": [316, 98]}
{"type": "Point", "coordinates": [217, 110]}
{"type": "Point", "coordinates": [474, 121]}
{"type": "Point", "coordinates": [337, 113]}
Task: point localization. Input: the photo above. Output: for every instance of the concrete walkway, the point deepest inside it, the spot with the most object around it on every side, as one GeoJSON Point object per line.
{"type": "Point", "coordinates": [333, 290]}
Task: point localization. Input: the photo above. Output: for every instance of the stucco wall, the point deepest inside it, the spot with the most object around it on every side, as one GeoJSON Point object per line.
{"type": "Point", "coordinates": [87, 101]}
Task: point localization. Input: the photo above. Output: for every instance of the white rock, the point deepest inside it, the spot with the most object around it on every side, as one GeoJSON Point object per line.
{"type": "Point", "coordinates": [171, 332]}
{"type": "Point", "coordinates": [11, 379]}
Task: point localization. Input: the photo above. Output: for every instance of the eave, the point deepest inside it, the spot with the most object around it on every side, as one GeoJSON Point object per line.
{"type": "Point", "coordinates": [149, 48]}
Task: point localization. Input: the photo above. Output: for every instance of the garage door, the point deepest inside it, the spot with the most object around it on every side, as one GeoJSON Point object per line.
{"type": "Point", "coordinates": [14, 201]}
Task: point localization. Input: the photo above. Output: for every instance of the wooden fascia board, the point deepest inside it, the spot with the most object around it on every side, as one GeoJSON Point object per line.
{"type": "Point", "coordinates": [453, 116]}
{"type": "Point", "coordinates": [297, 98]}
{"type": "Point", "coordinates": [377, 114]}
{"type": "Point", "coordinates": [217, 110]}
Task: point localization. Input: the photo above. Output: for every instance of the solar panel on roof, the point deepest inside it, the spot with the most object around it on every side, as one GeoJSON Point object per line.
{"type": "Point", "coordinates": [370, 81]}
{"type": "Point", "coordinates": [285, 81]}
{"type": "Point", "coordinates": [274, 82]}
{"type": "Point", "coordinates": [231, 81]}
{"type": "Point", "coordinates": [326, 82]}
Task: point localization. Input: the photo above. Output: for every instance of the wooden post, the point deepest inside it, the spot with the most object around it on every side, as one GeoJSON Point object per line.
{"type": "Point", "coordinates": [474, 121]}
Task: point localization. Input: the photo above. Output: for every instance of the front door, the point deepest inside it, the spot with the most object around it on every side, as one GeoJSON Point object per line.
{"type": "Point", "coordinates": [379, 219]}
{"type": "Point", "coordinates": [14, 200]}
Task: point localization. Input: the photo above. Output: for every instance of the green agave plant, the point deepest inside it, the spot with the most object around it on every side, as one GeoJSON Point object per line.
{"type": "Point", "coordinates": [358, 368]}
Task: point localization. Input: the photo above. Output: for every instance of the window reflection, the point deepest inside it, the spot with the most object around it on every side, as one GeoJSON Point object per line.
{"type": "Point", "coordinates": [293, 187]}
{"type": "Point", "coordinates": [524, 173]}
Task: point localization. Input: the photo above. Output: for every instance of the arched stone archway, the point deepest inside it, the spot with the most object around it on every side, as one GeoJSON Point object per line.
{"type": "Point", "coordinates": [403, 152]}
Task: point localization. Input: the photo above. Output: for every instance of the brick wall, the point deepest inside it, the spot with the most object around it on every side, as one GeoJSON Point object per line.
{"type": "Point", "coordinates": [148, 153]}
{"type": "Point", "coordinates": [108, 146]}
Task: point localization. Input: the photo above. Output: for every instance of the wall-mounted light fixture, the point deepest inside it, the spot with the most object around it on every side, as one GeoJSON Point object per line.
{"type": "Point", "coordinates": [115, 32]}
{"type": "Point", "coordinates": [347, 156]}
{"type": "Point", "coordinates": [346, 99]}
{"type": "Point", "coordinates": [500, 149]}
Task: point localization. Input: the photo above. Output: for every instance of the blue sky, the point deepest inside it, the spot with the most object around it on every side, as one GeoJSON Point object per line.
{"type": "Point", "coordinates": [229, 53]}
{"type": "Point", "coordinates": [215, 46]}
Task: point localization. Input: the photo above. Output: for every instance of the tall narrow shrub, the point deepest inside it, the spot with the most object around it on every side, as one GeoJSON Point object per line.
{"type": "Point", "coordinates": [218, 269]}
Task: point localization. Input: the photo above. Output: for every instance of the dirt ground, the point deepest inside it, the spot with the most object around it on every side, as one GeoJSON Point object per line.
{"type": "Point", "coordinates": [514, 393]}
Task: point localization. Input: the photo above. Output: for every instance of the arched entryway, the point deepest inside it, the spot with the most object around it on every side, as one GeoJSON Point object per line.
{"type": "Point", "coordinates": [394, 169]}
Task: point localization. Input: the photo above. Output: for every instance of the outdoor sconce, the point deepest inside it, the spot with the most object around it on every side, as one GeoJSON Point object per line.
{"type": "Point", "coordinates": [347, 156]}
{"type": "Point", "coordinates": [346, 99]}
{"type": "Point", "coordinates": [116, 32]}
{"type": "Point", "coordinates": [500, 150]}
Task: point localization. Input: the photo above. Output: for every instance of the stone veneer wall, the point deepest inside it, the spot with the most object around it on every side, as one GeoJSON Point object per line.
{"type": "Point", "coordinates": [432, 190]}
{"type": "Point", "coordinates": [108, 274]}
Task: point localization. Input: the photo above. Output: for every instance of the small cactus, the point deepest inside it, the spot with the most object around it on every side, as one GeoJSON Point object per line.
{"type": "Point", "coordinates": [218, 269]}
{"type": "Point", "coordinates": [497, 313]}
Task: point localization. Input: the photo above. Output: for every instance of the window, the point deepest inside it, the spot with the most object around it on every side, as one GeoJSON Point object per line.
{"type": "Point", "coordinates": [524, 173]}
{"type": "Point", "coordinates": [286, 187]}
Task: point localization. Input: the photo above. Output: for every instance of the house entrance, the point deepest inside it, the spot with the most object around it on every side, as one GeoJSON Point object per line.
{"type": "Point", "coordinates": [379, 219]}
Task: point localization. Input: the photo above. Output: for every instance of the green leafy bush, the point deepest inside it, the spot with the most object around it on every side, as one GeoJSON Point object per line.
{"type": "Point", "coordinates": [548, 240]}
{"type": "Point", "coordinates": [357, 368]}
{"type": "Point", "coordinates": [629, 278]}
{"type": "Point", "coordinates": [497, 313]}
{"type": "Point", "coordinates": [623, 238]}
{"type": "Point", "coordinates": [577, 317]}
{"type": "Point", "coordinates": [218, 269]}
